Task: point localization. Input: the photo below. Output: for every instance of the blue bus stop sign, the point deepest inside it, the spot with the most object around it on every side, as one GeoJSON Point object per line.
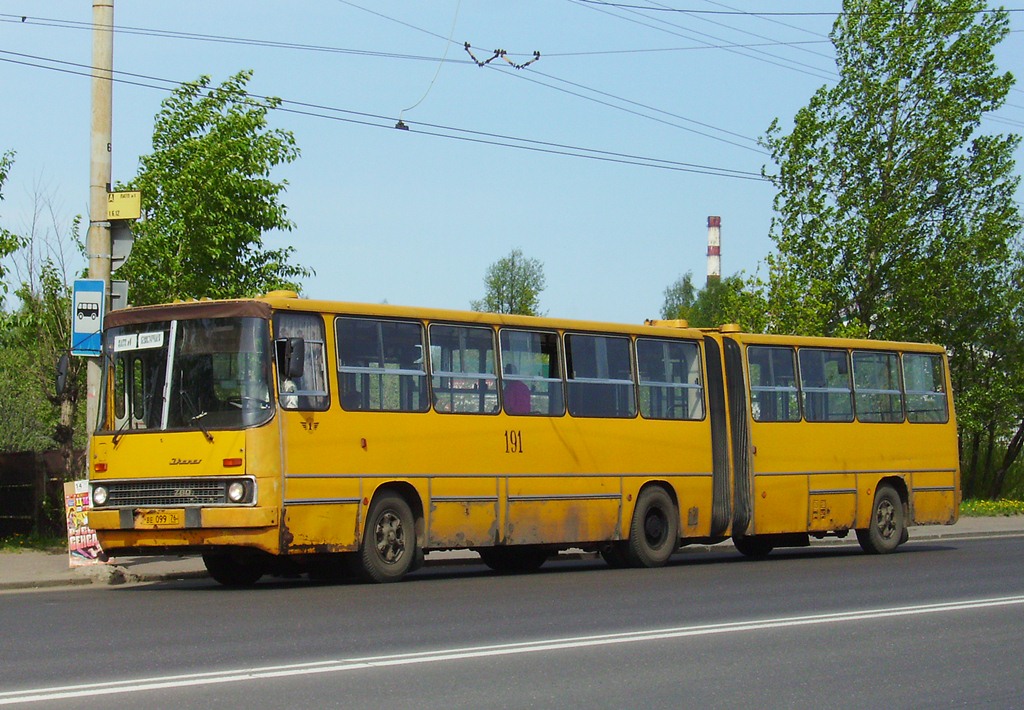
{"type": "Point", "coordinates": [87, 317]}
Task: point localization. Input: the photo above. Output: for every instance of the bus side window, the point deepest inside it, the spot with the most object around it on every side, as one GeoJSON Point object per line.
{"type": "Point", "coordinates": [600, 376]}
{"type": "Point", "coordinates": [381, 365]}
{"type": "Point", "coordinates": [876, 383]}
{"type": "Point", "coordinates": [773, 391]}
{"type": "Point", "coordinates": [463, 369]}
{"type": "Point", "coordinates": [670, 384]}
{"type": "Point", "coordinates": [531, 365]}
{"type": "Point", "coordinates": [308, 392]}
{"type": "Point", "coordinates": [825, 385]}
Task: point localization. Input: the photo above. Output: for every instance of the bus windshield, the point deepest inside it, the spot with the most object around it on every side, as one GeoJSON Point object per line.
{"type": "Point", "coordinates": [184, 375]}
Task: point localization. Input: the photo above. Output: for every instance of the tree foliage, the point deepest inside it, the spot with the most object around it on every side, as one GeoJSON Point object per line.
{"type": "Point", "coordinates": [728, 300]}
{"type": "Point", "coordinates": [208, 198]}
{"type": "Point", "coordinates": [513, 285]}
{"type": "Point", "coordinates": [9, 241]}
{"type": "Point", "coordinates": [34, 335]}
{"type": "Point", "coordinates": [895, 215]}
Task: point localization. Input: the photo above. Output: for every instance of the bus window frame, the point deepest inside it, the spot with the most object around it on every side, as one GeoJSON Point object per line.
{"type": "Point", "coordinates": [481, 377]}
{"type": "Point", "coordinates": [634, 411]}
{"type": "Point", "coordinates": [794, 390]}
{"type": "Point", "coordinates": [908, 393]}
{"type": "Point", "coordinates": [701, 386]}
{"type": "Point", "coordinates": [305, 400]}
{"type": "Point", "coordinates": [383, 371]}
{"type": "Point", "coordinates": [804, 390]}
{"type": "Point", "coordinates": [555, 337]}
{"type": "Point", "coordinates": [872, 391]}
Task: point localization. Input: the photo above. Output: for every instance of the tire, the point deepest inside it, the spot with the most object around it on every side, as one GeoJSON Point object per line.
{"type": "Point", "coordinates": [654, 532]}
{"type": "Point", "coordinates": [517, 559]}
{"type": "Point", "coordinates": [887, 526]}
{"type": "Point", "coordinates": [752, 545]}
{"type": "Point", "coordinates": [233, 570]}
{"type": "Point", "coordinates": [388, 550]}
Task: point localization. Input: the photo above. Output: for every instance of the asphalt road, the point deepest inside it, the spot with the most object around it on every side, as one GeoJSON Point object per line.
{"type": "Point", "coordinates": [939, 624]}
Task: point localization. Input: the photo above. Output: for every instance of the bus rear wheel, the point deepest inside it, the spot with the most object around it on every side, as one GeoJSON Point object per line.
{"type": "Point", "coordinates": [887, 528]}
{"type": "Point", "coordinates": [389, 539]}
{"type": "Point", "coordinates": [233, 570]}
{"type": "Point", "coordinates": [654, 532]}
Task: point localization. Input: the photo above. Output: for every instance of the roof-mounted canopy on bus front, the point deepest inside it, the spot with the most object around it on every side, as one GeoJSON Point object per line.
{"type": "Point", "coordinates": [188, 310]}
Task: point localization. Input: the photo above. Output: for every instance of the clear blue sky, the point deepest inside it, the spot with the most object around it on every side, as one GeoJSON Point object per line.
{"type": "Point", "coordinates": [413, 218]}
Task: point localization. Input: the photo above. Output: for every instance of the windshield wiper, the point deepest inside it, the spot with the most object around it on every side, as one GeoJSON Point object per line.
{"type": "Point", "coordinates": [196, 416]}
{"type": "Point", "coordinates": [120, 430]}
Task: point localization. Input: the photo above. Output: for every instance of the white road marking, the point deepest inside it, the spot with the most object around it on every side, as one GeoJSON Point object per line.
{"type": "Point", "coordinates": [456, 654]}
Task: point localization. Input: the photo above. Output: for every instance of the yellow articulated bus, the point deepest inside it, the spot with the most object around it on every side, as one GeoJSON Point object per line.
{"type": "Point", "coordinates": [281, 434]}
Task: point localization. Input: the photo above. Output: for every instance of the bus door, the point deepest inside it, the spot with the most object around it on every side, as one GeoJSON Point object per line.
{"type": "Point", "coordinates": [318, 502]}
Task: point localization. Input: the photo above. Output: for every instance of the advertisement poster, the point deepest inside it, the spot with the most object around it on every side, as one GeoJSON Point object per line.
{"type": "Point", "coordinates": [83, 547]}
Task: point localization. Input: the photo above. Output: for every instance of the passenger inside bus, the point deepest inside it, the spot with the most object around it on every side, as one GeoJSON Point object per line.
{"type": "Point", "coordinates": [517, 393]}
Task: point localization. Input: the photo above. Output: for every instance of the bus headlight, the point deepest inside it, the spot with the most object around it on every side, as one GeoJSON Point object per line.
{"type": "Point", "coordinates": [236, 491]}
{"type": "Point", "coordinates": [100, 495]}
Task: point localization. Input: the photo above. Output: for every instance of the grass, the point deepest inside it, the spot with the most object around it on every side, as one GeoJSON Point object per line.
{"type": "Point", "coordinates": [33, 541]}
{"type": "Point", "coordinates": [991, 508]}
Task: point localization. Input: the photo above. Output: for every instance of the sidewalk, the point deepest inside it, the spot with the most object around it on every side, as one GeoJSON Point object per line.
{"type": "Point", "coordinates": [38, 570]}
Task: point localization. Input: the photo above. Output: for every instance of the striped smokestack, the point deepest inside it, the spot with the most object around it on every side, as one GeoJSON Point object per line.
{"type": "Point", "coordinates": [714, 249]}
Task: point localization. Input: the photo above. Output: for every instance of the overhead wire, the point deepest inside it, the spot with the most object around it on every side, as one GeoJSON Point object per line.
{"type": "Point", "coordinates": [794, 13]}
{"type": "Point", "coordinates": [447, 46]}
{"type": "Point", "coordinates": [380, 121]}
{"type": "Point", "coordinates": [320, 48]}
{"type": "Point", "coordinates": [750, 142]}
{"type": "Point", "coordinates": [679, 31]}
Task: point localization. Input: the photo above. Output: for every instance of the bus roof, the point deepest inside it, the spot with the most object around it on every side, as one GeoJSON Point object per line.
{"type": "Point", "coordinates": [263, 307]}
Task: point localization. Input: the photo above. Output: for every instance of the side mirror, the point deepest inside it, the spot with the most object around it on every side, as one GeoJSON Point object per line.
{"type": "Point", "coordinates": [294, 357]}
{"type": "Point", "coordinates": [62, 374]}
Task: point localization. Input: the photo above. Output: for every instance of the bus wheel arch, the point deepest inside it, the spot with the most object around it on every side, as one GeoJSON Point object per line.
{"type": "Point", "coordinates": [654, 529]}
{"type": "Point", "coordinates": [392, 534]}
{"type": "Point", "coordinates": [887, 525]}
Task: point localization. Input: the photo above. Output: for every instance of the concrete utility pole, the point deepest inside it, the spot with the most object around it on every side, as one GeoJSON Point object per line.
{"type": "Point", "coordinates": [98, 238]}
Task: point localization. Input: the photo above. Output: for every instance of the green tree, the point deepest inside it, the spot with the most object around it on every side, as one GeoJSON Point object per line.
{"type": "Point", "coordinates": [728, 300]}
{"type": "Point", "coordinates": [9, 241]}
{"type": "Point", "coordinates": [35, 334]}
{"type": "Point", "coordinates": [513, 285]}
{"type": "Point", "coordinates": [208, 199]}
{"type": "Point", "coordinates": [895, 215]}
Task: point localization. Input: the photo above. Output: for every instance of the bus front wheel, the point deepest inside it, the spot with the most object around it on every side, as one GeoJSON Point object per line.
{"type": "Point", "coordinates": [389, 540]}
{"type": "Point", "coordinates": [654, 532]}
{"type": "Point", "coordinates": [887, 527]}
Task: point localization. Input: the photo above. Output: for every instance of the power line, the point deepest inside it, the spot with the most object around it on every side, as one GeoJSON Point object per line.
{"type": "Point", "coordinates": [379, 121]}
{"type": "Point", "coordinates": [702, 18]}
{"type": "Point", "coordinates": [784, 13]}
{"type": "Point", "coordinates": [190, 36]}
{"type": "Point", "coordinates": [768, 58]}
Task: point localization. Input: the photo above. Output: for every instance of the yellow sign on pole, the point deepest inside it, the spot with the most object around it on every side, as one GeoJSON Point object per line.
{"type": "Point", "coordinates": [124, 205]}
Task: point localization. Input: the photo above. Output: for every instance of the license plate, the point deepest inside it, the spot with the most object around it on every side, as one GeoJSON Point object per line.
{"type": "Point", "coordinates": [148, 519]}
